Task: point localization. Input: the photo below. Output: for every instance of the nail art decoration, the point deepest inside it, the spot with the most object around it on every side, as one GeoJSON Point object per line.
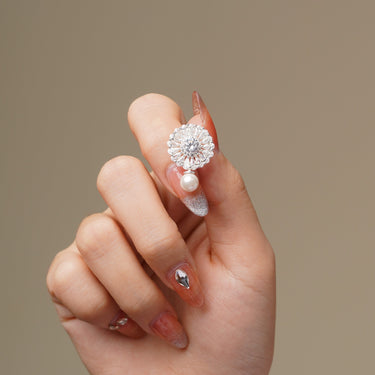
{"type": "Point", "coordinates": [190, 147]}
{"type": "Point", "coordinates": [197, 204]}
{"type": "Point", "coordinates": [182, 278]}
{"type": "Point", "coordinates": [118, 323]}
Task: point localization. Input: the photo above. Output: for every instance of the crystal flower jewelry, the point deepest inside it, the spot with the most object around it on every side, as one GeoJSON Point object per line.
{"type": "Point", "coordinates": [190, 146]}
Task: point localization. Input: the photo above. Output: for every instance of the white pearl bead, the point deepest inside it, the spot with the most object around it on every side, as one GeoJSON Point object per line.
{"type": "Point", "coordinates": [189, 182]}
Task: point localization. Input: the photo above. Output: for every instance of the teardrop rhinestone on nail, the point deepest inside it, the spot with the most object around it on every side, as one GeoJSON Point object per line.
{"type": "Point", "coordinates": [182, 278]}
{"type": "Point", "coordinates": [190, 146]}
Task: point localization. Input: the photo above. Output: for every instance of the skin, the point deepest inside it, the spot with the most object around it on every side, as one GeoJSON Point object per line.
{"type": "Point", "coordinates": [121, 258]}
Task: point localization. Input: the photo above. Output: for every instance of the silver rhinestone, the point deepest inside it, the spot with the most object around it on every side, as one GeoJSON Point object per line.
{"type": "Point", "coordinates": [121, 322]}
{"type": "Point", "coordinates": [182, 278]}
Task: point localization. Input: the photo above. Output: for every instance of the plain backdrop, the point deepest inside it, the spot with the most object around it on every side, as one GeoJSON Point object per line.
{"type": "Point", "coordinates": [291, 87]}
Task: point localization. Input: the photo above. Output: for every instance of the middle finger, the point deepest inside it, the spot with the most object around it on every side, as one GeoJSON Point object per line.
{"type": "Point", "coordinates": [130, 192]}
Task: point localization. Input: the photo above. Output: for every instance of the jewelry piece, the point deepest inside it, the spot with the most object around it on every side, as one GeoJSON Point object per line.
{"type": "Point", "coordinates": [190, 146]}
{"type": "Point", "coordinates": [117, 324]}
{"type": "Point", "coordinates": [182, 278]}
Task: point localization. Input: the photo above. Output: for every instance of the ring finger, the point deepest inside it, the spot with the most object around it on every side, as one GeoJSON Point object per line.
{"type": "Point", "coordinates": [109, 256]}
{"type": "Point", "coordinates": [77, 293]}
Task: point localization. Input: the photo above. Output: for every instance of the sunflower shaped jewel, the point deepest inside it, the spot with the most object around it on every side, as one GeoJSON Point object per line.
{"type": "Point", "coordinates": [190, 146]}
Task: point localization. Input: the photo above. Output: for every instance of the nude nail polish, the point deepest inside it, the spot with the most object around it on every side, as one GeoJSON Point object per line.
{"type": "Point", "coordinates": [185, 282]}
{"type": "Point", "coordinates": [167, 327]}
{"type": "Point", "coordinates": [199, 108]}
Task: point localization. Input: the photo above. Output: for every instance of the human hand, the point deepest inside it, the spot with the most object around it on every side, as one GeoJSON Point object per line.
{"type": "Point", "coordinates": [125, 259]}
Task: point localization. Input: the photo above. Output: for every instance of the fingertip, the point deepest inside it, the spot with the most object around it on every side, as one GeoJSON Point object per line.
{"type": "Point", "coordinates": [152, 102]}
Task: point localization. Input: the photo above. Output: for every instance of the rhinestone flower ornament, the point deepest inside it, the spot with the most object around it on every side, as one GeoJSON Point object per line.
{"type": "Point", "coordinates": [190, 146]}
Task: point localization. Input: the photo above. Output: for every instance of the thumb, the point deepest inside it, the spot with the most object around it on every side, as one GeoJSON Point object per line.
{"type": "Point", "coordinates": [234, 230]}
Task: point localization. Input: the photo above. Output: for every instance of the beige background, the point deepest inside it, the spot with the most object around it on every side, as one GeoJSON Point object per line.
{"type": "Point", "coordinates": [291, 85]}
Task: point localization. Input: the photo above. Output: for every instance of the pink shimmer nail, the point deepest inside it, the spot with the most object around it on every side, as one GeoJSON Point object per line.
{"type": "Point", "coordinates": [167, 327]}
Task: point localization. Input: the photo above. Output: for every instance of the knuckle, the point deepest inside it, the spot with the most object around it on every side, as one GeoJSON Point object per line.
{"type": "Point", "coordinates": [265, 267]}
{"type": "Point", "coordinates": [119, 166]}
{"type": "Point", "coordinates": [237, 181]}
{"type": "Point", "coordinates": [238, 188]}
{"type": "Point", "coordinates": [269, 259]}
{"type": "Point", "coordinates": [235, 185]}
{"type": "Point", "coordinates": [158, 246]}
{"type": "Point", "coordinates": [62, 271]}
{"type": "Point", "coordinates": [143, 304]}
{"type": "Point", "coordinates": [94, 232]}
{"type": "Point", "coordinates": [92, 309]}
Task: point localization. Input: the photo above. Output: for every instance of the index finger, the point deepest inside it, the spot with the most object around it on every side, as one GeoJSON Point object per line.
{"type": "Point", "coordinates": [152, 118]}
{"type": "Point", "coordinates": [231, 219]}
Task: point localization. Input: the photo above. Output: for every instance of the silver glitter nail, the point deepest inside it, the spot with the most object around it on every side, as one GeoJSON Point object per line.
{"type": "Point", "coordinates": [197, 204]}
{"type": "Point", "coordinates": [182, 278]}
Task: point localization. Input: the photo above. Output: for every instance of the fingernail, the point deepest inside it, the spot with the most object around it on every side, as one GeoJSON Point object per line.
{"type": "Point", "coordinates": [186, 283]}
{"type": "Point", "coordinates": [118, 321]}
{"type": "Point", "coordinates": [196, 201]}
{"type": "Point", "coordinates": [199, 108]}
{"type": "Point", "coordinates": [167, 327]}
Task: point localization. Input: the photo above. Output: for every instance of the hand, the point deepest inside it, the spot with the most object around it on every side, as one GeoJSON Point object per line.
{"type": "Point", "coordinates": [121, 269]}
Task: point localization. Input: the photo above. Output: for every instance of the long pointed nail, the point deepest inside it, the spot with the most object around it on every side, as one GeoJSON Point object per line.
{"type": "Point", "coordinates": [199, 108]}
{"type": "Point", "coordinates": [167, 327]}
{"type": "Point", "coordinates": [196, 201]}
{"type": "Point", "coordinates": [185, 282]}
